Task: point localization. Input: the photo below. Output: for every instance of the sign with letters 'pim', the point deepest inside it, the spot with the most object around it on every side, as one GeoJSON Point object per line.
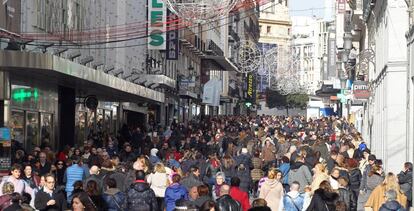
{"type": "Point", "coordinates": [157, 25]}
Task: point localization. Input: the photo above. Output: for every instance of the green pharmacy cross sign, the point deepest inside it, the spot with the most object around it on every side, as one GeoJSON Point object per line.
{"type": "Point", "coordinates": [25, 94]}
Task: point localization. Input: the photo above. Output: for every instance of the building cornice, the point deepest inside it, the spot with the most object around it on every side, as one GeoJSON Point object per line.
{"type": "Point", "coordinates": [276, 22]}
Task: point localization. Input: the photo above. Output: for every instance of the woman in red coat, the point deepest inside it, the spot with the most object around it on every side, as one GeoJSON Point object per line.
{"type": "Point", "coordinates": [237, 194]}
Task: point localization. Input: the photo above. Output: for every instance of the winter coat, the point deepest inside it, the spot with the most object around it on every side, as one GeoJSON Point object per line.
{"type": "Point", "coordinates": [300, 173]}
{"type": "Point", "coordinates": [272, 192]}
{"type": "Point", "coordinates": [348, 196]}
{"type": "Point", "coordinates": [97, 179]}
{"type": "Point", "coordinates": [269, 153]}
{"type": "Point", "coordinates": [377, 198]}
{"type": "Point", "coordinates": [201, 200]}
{"type": "Point", "coordinates": [42, 198]}
{"type": "Point", "coordinates": [5, 201]}
{"type": "Point", "coordinates": [190, 181]}
{"type": "Point", "coordinates": [257, 163]}
{"type": "Point", "coordinates": [284, 168]}
{"type": "Point", "coordinates": [355, 179]}
{"type": "Point", "coordinates": [291, 199]}
{"type": "Point", "coordinates": [173, 193]}
{"type": "Point", "coordinates": [226, 203]}
{"type": "Point", "coordinates": [245, 180]}
{"type": "Point", "coordinates": [406, 181]}
{"type": "Point", "coordinates": [244, 159]}
{"type": "Point", "coordinates": [323, 201]}
{"type": "Point", "coordinates": [317, 179]}
{"type": "Point", "coordinates": [114, 199]}
{"type": "Point", "coordinates": [371, 183]}
{"type": "Point", "coordinates": [256, 174]}
{"type": "Point", "coordinates": [159, 183]}
{"type": "Point", "coordinates": [241, 196]}
{"type": "Point", "coordinates": [391, 206]}
{"type": "Point", "coordinates": [140, 197]}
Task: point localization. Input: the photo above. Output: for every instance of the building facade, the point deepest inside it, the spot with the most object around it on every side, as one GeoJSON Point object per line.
{"type": "Point", "coordinates": [94, 69]}
{"type": "Point", "coordinates": [305, 33]}
{"type": "Point", "coordinates": [385, 112]}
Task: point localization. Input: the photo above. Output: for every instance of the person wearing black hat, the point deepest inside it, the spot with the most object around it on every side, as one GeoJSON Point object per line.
{"type": "Point", "coordinates": [371, 162]}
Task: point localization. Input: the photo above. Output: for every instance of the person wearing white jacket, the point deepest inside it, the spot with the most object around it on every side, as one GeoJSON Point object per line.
{"type": "Point", "coordinates": [158, 181]}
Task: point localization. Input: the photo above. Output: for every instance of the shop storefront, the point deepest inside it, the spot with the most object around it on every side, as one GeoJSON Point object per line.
{"type": "Point", "coordinates": [33, 113]}
{"type": "Point", "coordinates": [104, 121]}
{"type": "Point", "coordinates": [42, 98]}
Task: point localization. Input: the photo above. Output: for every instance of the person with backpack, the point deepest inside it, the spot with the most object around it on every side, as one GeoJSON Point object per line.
{"type": "Point", "coordinates": [293, 200]}
{"type": "Point", "coordinates": [113, 197]}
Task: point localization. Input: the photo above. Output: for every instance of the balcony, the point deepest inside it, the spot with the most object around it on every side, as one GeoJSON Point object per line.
{"type": "Point", "coordinates": [192, 41]}
{"type": "Point", "coordinates": [233, 34]}
{"type": "Point", "coordinates": [213, 49]}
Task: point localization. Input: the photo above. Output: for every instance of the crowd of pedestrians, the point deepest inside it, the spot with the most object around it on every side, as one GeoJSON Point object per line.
{"type": "Point", "coordinates": [220, 163]}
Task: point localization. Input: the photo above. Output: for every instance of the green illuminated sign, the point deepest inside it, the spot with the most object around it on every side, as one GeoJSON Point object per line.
{"type": "Point", "coordinates": [25, 94]}
{"type": "Point", "coordinates": [248, 104]}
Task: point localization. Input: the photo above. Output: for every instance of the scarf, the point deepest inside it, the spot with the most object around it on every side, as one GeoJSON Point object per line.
{"type": "Point", "coordinates": [217, 188]}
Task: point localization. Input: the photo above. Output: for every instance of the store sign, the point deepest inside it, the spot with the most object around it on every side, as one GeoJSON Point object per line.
{"type": "Point", "coordinates": [5, 153]}
{"type": "Point", "coordinates": [172, 37]}
{"type": "Point", "coordinates": [157, 16]}
{"type": "Point", "coordinates": [360, 90]}
{"type": "Point", "coordinates": [251, 88]}
{"type": "Point", "coordinates": [24, 94]}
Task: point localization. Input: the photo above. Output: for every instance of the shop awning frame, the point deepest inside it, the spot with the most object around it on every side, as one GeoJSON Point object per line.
{"type": "Point", "coordinates": [46, 63]}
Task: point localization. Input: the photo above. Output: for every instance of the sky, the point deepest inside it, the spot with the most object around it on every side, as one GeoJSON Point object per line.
{"type": "Point", "coordinates": [307, 8]}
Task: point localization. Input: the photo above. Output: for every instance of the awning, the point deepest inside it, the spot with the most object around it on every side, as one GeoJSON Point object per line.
{"type": "Point", "coordinates": [38, 65]}
{"type": "Point", "coordinates": [188, 94]}
{"type": "Point", "coordinates": [224, 62]}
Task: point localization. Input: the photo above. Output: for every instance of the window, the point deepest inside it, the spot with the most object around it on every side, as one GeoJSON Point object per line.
{"type": "Point", "coordinates": [260, 28]}
{"type": "Point", "coordinates": [269, 29]}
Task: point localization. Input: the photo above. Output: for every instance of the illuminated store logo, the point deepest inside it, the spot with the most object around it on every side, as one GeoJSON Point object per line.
{"type": "Point", "coordinates": [25, 94]}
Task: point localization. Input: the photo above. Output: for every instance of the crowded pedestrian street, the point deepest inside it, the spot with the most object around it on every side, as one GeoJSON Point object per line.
{"type": "Point", "coordinates": [206, 105]}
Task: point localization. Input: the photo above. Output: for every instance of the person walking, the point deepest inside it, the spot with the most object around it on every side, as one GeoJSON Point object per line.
{"type": "Point", "coordinates": [114, 199]}
{"type": "Point", "coordinates": [391, 203]}
{"type": "Point", "coordinates": [139, 196]}
{"type": "Point", "coordinates": [73, 173]}
{"type": "Point", "coordinates": [158, 181]}
{"type": "Point", "coordinates": [376, 198]}
{"type": "Point", "coordinates": [300, 172]}
{"type": "Point", "coordinates": [225, 202]}
{"type": "Point", "coordinates": [319, 174]}
{"type": "Point", "coordinates": [238, 194]}
{"type": "Point", "coordinates": [175, 192]}
{"type": "Point", "coordinates": [324, 198]}
{"type": "Point", "coordinates": [48, 198]}
{"type": "Point", "coordinates": [272, 190]}
{"type": "Point", "coordinates": [293, 200]}
{"type": "Point", "coordinates": [405, 179]}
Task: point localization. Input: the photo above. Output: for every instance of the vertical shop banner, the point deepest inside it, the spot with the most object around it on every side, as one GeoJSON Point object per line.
{"type": "Point", "coordinates": [172, 36]}
{"type": "Point", "coordinates": [157, 25]}
{"type": "Point", "coordinates": [332, 73]}
{"type": "Point", "coordinates": [251, 88]}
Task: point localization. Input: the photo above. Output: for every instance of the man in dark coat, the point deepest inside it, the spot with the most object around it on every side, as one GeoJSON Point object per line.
{"type": "Point", "coordinates": [192, 179]}
{"type": "Point", "coordinates": [405, 178]}
{"type": "Point", "coordinates": [48, 198]}
{"type": "Point", "coordinates": [140, 197]}
{"type": "Point", "coordinates": [225, 202]}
